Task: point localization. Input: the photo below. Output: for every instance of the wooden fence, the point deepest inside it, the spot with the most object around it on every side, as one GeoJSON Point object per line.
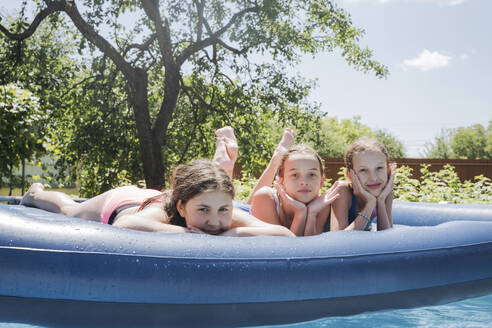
{"type": "Point", "coordinates": [466, 169]}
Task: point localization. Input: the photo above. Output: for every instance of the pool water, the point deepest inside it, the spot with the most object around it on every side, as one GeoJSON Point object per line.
{"type": "Point", "coordinates": [470, 313]}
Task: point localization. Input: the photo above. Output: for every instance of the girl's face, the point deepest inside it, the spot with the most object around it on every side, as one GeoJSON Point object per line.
{"type": "Point", "coordinates": [372, 169]}
{"type": "Point", "coordinates": [210, 211]}
{"type": "Point", "coordinates": [302, 178]}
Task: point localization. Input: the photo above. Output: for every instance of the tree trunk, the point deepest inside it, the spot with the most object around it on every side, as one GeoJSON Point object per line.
{"type": "Point", "coordinates": [150, 149]}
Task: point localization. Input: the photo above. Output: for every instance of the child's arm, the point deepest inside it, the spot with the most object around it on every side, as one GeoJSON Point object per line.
{"type": "Point", "coordinates": [149, 219]}
{"type": "Point", "coordinates": [268, 175]}
{"type": "Point", "coordinates": [385, 202]}
{"type": "Point", "coordinates": [341, 206]}
{"type": "Point", "coordinates": [266, 178]}
{"type": "Point", "coordinates": [244, 225]}
{"type": "Point", "coordinates": [370, 202]}
{"type": "Point", "coordinates": [318, 211]}
{"type": "Point", "coordinates": [298, 225]}
{"type": "Point", "coordinates": [263, 206]}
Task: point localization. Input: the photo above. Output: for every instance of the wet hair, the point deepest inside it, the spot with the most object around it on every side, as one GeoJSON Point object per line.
{"type": "Point", "coordinates": [360, 145]}
{"type": "Point", "coordinates": [188, 181]}
{"type": "Point", "coordinates": [299, 149]}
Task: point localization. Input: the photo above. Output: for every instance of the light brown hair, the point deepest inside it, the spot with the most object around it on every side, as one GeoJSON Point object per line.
{"type": "Point", "coordinates": [360, 145]}
{"type": "Point", "coordinates": [188, 181]}
{"type": "Point", "coordinates": [299, 149]}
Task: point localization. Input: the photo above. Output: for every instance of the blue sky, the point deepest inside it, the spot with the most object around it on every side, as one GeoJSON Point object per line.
{"type": "Point", "coordinates": [439, 55]}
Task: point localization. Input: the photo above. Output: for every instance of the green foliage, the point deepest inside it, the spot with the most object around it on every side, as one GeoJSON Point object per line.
{"type": "Point", "coordinates": [244, 187]}
{"type": "Point", "coordinates": [441, 186]}
{"type": "Point", "coordinates": [94, 136]}
{"type": "Point", "coordinates": [92, 132]}
{"type": "Point", "coordinates": [43, 67]}
{"type": "Point", "coordinates": [336, 136]}
{"type": "Point", "coordinates": [258, 115]}
{"type": "Point", "coordinates": [21, 126]}
{"type": "Point", "coordinates": [433, 187]}
{"type": "Point", "coordinates": [440, 148]}
{"type": "Point", "coordinates": [473, 142]}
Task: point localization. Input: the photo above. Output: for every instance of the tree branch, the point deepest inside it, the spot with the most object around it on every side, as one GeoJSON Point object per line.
{"type": "Point", "coordinates": [197, 46]}
{"type": "Point", "coordinates": [151, 8]}
{"type": "Point", "coordinates": [101, 43]}
{"type": "Point", "coordinates": [53, 6]}
{"type": "Point", "coordinates": [199, 9]}
{"type": "Point", "coordinates": [142, 47]}
{"type": "Point", "coordinates": [234, 50]}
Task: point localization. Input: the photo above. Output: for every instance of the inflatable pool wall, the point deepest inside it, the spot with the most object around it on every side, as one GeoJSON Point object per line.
{"type": "Point", "coordinates": [65, 272]}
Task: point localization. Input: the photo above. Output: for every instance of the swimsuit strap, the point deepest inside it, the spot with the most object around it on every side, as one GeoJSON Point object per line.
{"type": "Point", "coordinates": [277, 203]}
{"type": "Point", "coordinates": [119, 209]}
{"type": "Point", "coordinates": [352, 211]}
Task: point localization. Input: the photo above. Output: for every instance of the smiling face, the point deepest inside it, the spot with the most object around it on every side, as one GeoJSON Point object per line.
{"type": "Point", "coordinates": [372, 169]}
{"type": "Point", "coordinates": [209, 211]}
{"type": "Point", "coordinates": [302, 177]}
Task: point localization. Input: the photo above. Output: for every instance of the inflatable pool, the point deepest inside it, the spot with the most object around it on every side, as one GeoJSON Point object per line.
{"type": "Point", "coordinates": [65, 272]}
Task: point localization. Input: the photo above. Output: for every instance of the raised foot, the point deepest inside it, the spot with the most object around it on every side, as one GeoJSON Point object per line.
{"type": "Point", "coordinates": [227, 135]}
{"type": "Point", "coordinates": [29, 196]}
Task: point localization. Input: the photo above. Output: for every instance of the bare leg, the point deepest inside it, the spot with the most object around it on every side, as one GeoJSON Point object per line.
{"type": "Point", "coordinates": [226, 149]}
{"type": "Point", "coordinates": [268, 175]}
{"type": "Point", "coordinates": [230, 140]}
{"type": "Point", "coordinates": [222, 156]}
{"type": "Point", "coordinates": [58, 202]}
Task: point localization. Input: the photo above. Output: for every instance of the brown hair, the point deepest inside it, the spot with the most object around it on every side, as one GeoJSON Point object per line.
{"type": "Point", "coordinates": [188, 181]}
{"type": "Point", "coordinates": [360, 145]}
{"type": "Point", "coordinates": [299, 149]}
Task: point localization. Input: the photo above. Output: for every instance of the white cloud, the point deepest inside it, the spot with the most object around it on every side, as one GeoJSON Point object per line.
{"type": "Point", "coordinates": [444, 2]}
{"type": "Point", "coordinates": [438, 2]}
{"type": "Point", "coordinates": [427, 60]}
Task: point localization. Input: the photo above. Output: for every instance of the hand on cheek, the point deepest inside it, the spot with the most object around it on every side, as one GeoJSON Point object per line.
{"type": "Point", "coordinates": [388, 189]}
{"type": "Point", "coordinates": [360, 191]}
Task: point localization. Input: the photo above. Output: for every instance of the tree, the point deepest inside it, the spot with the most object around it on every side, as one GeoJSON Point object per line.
{"type": "Point", "coordinates": [473, 142]}
{"type": "Point", "coordinates": [20, 122]}
{"type": "Point", "coordinates": [440, 148]}
{"type": "Point", "coordinates": [337, 136]}
{"type": "Point", "coordinates": [212, 38]}
{"type": "Point", "coordinates": [470, 142]}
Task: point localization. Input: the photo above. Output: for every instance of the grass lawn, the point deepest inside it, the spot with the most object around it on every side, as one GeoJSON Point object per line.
{"type": "Point", "coordinates": [18, 192]}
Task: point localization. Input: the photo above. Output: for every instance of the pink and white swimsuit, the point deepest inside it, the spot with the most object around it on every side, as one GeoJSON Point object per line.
{"type": "Point", "coordinates": [124, 196]}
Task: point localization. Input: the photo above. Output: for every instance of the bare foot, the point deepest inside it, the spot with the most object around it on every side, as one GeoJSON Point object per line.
{"type": "Point", "coordinates": [28, 198]}
{"type": "Point", "coordinates": [227, 133]}
{"type": "Point", "coordinates": [285, 143]}
{"type": "Point", "coordinates": [222, 156]}
{"type": "Point", "coordinates": [286, 140]}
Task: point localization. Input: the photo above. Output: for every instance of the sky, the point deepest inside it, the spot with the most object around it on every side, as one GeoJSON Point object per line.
{"type": "Point", "coordinates": [439, 57]}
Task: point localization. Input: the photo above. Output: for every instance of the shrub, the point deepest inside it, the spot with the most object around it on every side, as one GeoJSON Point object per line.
{"type": "Point", "coordinates": [433, 187]}
{"type": "Point", "coordinates": [441, 186]}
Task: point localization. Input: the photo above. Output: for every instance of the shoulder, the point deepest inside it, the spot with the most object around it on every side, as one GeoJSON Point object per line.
{"type": "Point", "coordinates": [264, 194]}
{"type": "Point", "coordinates": [265, 191]}
{"type": "Point", "coordinates": [345, 188]}
{"type": "Point", "coordinates": [263, 205]}
{"type": "Point", "coordinates": [154, 211]}
{"type": "Point", "coordinates": [345, 192]}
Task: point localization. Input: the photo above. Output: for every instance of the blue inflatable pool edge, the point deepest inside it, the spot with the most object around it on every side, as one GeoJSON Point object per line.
{"type": "Point", "coordinates": [66, 272]}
